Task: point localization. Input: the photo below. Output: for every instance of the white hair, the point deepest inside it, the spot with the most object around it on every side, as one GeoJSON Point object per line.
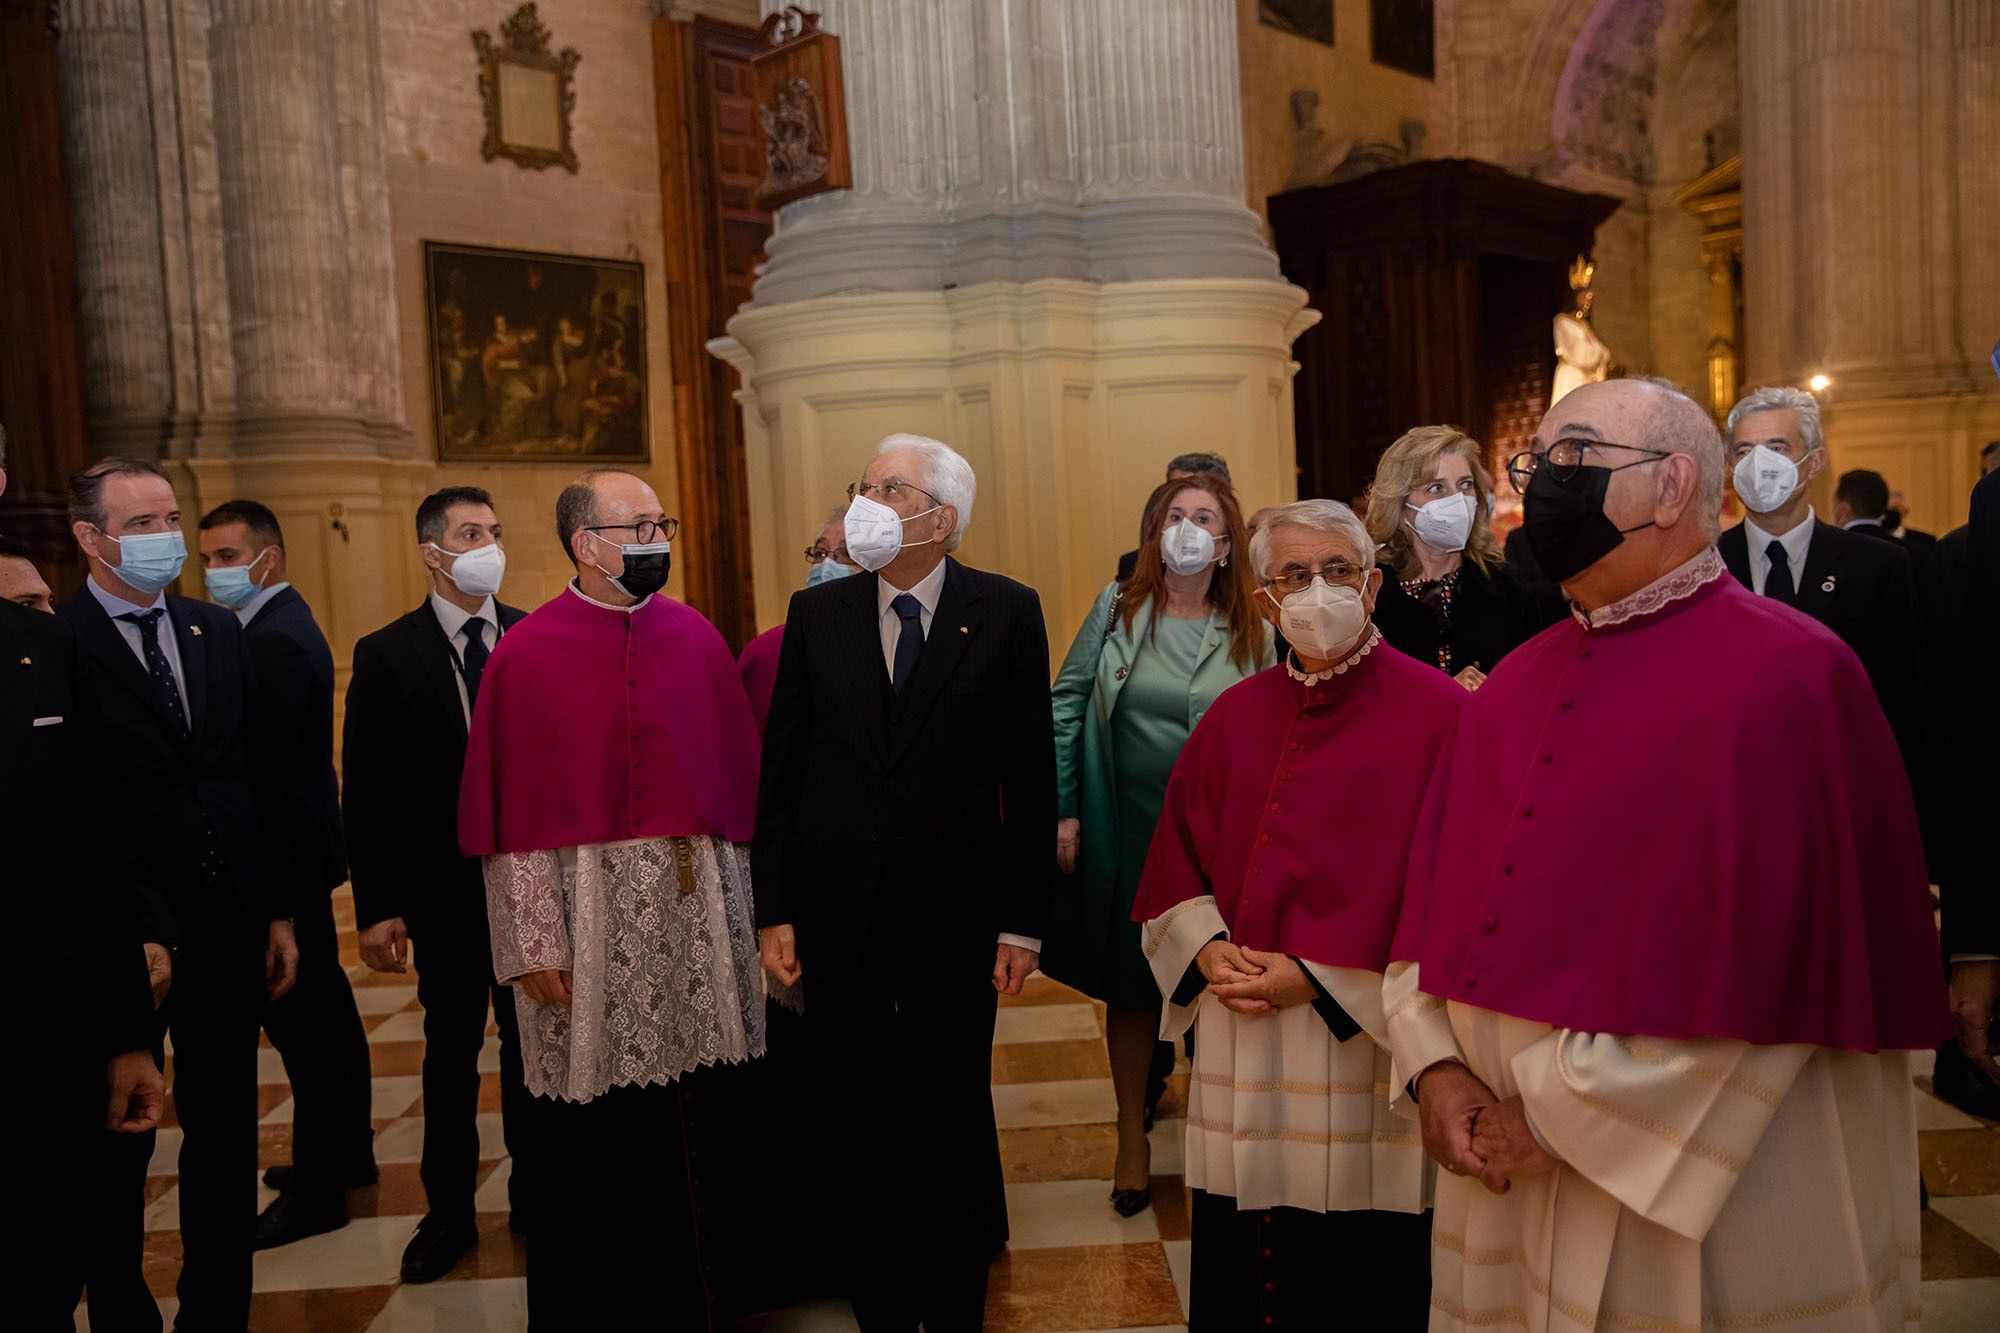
{"type": "Point", "coordinates": [1782, 398]}
{"type": "Point", "coordinates": [1329, 516]}
{"type": "Point", "coordinates": [947, 476]}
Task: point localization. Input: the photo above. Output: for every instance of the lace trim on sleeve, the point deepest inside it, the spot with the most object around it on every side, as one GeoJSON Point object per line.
{"type": "Point", "coordinates": [525, 907]}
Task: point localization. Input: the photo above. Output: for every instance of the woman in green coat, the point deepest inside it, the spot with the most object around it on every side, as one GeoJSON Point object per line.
{"type": "Point", "coordinates": [1151, 657]}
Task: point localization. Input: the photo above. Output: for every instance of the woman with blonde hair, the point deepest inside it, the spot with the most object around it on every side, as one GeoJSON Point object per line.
{"type": "Point", "coordinates": [1447, 596]}
{"type": "Point", "coordinates": [1152, 656]}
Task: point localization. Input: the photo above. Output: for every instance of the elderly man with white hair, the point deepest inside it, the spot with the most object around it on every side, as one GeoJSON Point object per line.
{"type": "Point", "coordinates": [901, 866]}
{"type": "Point", "coordinates": [1269, 900]}
{"type": "Point", "coordinates": [1657, 1008]}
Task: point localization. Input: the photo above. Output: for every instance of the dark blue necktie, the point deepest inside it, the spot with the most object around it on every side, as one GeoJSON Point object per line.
{"type": "Point", "coordinates": [157, 666]}
{"type": "Point", "coordinates": [474, 660]}
{"type": "Point", "coordinates": [909, 639]}
{"type": "Point", "coordinates": [1778, 582]}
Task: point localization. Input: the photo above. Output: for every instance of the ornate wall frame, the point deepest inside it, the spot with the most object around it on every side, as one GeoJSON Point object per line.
{"type": "Point", "coordinates": [528, 92]}
{"type": "Point", "coordinates": [802, 109]}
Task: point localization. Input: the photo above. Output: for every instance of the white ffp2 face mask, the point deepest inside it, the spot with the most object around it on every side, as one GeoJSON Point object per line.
{"type": "Point", "coordinates": [1445, 524]}
{"type": "Point", "coordinates": [477, 572]}
{"type": "Point", "coordinates": [875, 532]}
{"type": "Point", "coordinates": [1186, 547]}
{"type": "Point", "coordinates": [1764, 479]}
{"type": "Point", "coordinates": [1322, 620]}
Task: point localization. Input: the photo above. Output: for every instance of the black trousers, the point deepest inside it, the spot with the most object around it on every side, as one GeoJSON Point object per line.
{"type": "Point", "coordinates": [213, 1014]}
{"type": "Point", "coordinates": [616, 1246]}
{"type": "Point", "coordinates": [1285, 1268]}
{"type": "Point", "coordinates": [455, 985]}
{"type": "Point", "coordinates": [905, 1083]}
{"type": "Point", "coordinates": [317, 1031]}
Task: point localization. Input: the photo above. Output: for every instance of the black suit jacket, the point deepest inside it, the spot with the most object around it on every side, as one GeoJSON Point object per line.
{"type": "Point", "coordinates": [1971, 917]}
{"type": "Point", "coordinates": [295, 682]}
{"type": "Point", "coordinates": [909, 832]}
{"type": "Point", "coordinates": [71, 893]}
{"type": "Point", "coordinates": [170, 791]}
{"type": "Point", "coordinates": [1491, 615]}
{"type": "Point", "coordinates": [402, 757]}
{"type": "Point", "coordinates": [1917, 545]}
{"type": "Point", "coordinates": [1860, 587]}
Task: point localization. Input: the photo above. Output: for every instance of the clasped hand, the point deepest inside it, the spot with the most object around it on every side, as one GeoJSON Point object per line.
{"type": "Point", "coordinates": [1250, 981]}
{"type": "Point", "coordinates": [1470, 1132]}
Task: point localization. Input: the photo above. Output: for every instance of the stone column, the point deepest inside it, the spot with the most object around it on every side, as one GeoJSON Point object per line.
{"type": "Point", "coordinates": [114, 188]}
{"type": "Point", "coordinates": [1869, 164]}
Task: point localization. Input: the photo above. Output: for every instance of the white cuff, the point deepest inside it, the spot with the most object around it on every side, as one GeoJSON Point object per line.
{"type": "Point", "coordinates": [1021, 942]}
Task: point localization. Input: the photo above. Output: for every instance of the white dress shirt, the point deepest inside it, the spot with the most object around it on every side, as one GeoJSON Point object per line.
{"type": "Point", "coordinates": [452, 620]}
{"type": "Point", "coordinates": [248, 611]}
{"type": "Point", "coordinates": [116, 606]}
{"type": "Point", "coordinates": [1794, 542]}
{"type": "Point", "coordinates": [926, 592]}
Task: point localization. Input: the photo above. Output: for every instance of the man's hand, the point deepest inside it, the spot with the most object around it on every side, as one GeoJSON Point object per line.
{"type": "Point", "coordinates": [1501, 1138]}
{"type": "Point", "coordinates": [281, 960]}
{"type": "Point", "coordinates": [780, 948]}
{"type": "Point", "coordinates": [1975, 1002]}
{"type": "Point", "coordinates": [1472, 678]}
{"type": "Point", "coordinates": [1280, 983]}
{"type": "Point", "coordinates": [1011, 966]}
{"type": "Point", "coordinates": [548, 986]}
{"type": "Point", "coordinates": [138, 1093]}
{"type": "Point", "coordinates": [1449, 1098]}
{"type": "Point", "coordinates": [159, 971]}
{"type": "Point", "coordinates": [1223, 964]}
{"type": "Point", "coordinates": [1069, 833]}
{"type": "Point", "coordinates": [385, 946]}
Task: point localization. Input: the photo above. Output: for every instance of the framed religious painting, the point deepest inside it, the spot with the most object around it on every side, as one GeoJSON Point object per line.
{"type": "Point", "coordinates": [1402, 34]}
{"type": "Point", "coordinates": [1311, 19]}
{"type": "Point", "coordinates": [528, 92]}
{"type": "Point", "coordinates": [535, 358]}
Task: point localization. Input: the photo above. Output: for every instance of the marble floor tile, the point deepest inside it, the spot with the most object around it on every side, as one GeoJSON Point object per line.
{"type": "Point", "coordinates": [1088, 1287]}
{"type": "Point", "coordinates": [385, 999]}
{"type": "Point", "coordinates": [1951, 1250]}
{"type": "Point", "coordinates": [813, 1317]}
{"type": "Point", "coordinates": [397, 1192]}
{"type": "Point", "coordinates": [489, 1055]}
{"type": "Point", "coordinates": [1039, 989]}
{"type": "Point", "coordinates": [1934, 1113]}
{"type": "Point", "coordinates": [395, 1057]}
{"type": "Point", "coordinates": [1171, 1205]}
{"type": "Point", "coordinates": [1978, 1215]}
{"type": "Point", "coordinates": [270, 1066]}
{"type": "Point", "coordinates": [492, 1141]}
{"type": "Point", "coordinates": [1050, 1061]}
{"type": "Point", "coordinates": [1960, 1161]}
{"type": "Point", "coordinates": [491, 1197]}
{"type": "Point", "coordinates": [164, 1212]}
{"type": "Point", "coordinates": [1964, 1306]}
{"type": "Point", "coordinates": [402, 1141]}
{"type": "Point", "coordinates": [1075, 1102]}
{"type": "Point", "coordinates": [1180, 1263]}
{"type": "Point", "coordinates": [1058, 1152]}
{"type": "Point", "coordinates": [1059, 1213]}
{"type": "Point", "coordinates": [390, 1096]}
{"type": "Point", "coordinates": [1169, 1140]}
{"type": "Point", "coordinates": [407, 1025]}
{"type": "Point", "coordinates": [166, 1153]}
{"type": "Point", "coordinates": [368, 1251]}
{"type": "Point", "coordinates": [499, 1253]}
{"type": "Point", "coordinates": [491, 1305]}
{"type": "Point", "coordinates": [1047, 1022]}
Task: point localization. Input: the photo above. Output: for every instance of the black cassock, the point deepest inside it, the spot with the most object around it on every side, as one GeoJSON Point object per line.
{"type": "Point", "coordinates": [1287, 1268]}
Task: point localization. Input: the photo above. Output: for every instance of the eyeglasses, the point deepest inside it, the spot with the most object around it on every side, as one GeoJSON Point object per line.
{"type": "Point", "coordinates": [815, 554]}
{"type": "Point", "coordinates": [646, 530]}
{"type": "Point", "coordinates": [1565, 456]}
{"type": "Point", "coordinates": [1297, 578]}
{"type": "Point", "coordinates": [886, 492]}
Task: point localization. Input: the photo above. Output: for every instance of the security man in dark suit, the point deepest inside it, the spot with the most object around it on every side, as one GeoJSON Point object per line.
{"type": "Point", "coordinates": [1857, 586]}
{"type": "Point", "coordinates": [901, 861]}
{"type": "Point", "coordinates": [1861, 504]}
{"type": "Point", "coordinates": [316, 1029]}
{"type": "Point", "coordinates": [89, 1046]}
{"type": "Point", "coordinates": [184, 781]}
{"type": "Point", "coordinates": [1970, 919]}
{"type": "Point", "coordinates": [409, 703]}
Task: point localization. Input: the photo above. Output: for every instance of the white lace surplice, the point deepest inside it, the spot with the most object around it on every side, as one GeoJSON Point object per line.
{"type": "Point", "coordinates": [661, 981]}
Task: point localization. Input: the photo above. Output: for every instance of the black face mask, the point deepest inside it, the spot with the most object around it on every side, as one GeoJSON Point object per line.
{"type": "Point", "coordinates": [645, 574]}
{"type": "Point", "coordinates": [1565, 521]}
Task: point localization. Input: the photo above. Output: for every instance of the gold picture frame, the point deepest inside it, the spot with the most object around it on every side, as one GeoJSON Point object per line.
{"type": "Point", "coordinates": [528, 92]}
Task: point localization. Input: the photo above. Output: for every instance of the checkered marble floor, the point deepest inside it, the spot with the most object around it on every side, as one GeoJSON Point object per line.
{"type": "Point", "coordinates": [1073, 1264]}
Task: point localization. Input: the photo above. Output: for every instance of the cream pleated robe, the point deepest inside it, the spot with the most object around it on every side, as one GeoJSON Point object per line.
{"type": "Point", "coordinates": [1704, 1184]}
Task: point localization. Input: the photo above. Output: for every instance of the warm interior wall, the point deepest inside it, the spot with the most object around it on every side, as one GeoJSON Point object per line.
{"type": "Point", "coordinates": [440, 190]}
{"type": "Point", "coordinates": [1697, 98]}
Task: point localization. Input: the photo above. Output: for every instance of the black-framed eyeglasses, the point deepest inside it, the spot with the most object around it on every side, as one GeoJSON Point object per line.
{"type": "Point", "coordinates": [646, 531]}
{"type": "Point", "coordinates": [1297, 578]}
{"type": "Point", "coordinates": [886, 492]}
{"type": "Point", "coordinates": [815, 554]}
{"type": "Point", "coordinates": [1566, 456]}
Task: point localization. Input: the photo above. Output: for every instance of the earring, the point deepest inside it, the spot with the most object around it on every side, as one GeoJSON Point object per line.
{"type": "Point", "coordinates": [1223, 563]}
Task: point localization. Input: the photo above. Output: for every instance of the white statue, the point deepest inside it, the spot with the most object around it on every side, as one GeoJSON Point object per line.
{"type": "Point", "coordinates": [1581, 356]}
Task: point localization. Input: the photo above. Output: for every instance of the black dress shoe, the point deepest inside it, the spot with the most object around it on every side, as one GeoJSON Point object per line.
{"type": "Point", "coordinates": [436, 1248]}
{"type": "Point", "coordinates": [360, 1174]}
{"type": "Point", "coordinates": [294, 1216]}
{"type": "Point", "coordinates": [1130, 1203]}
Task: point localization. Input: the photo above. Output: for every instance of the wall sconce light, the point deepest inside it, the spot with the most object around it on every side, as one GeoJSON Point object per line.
{"type": "Point", "coordinates": [1820, 383]}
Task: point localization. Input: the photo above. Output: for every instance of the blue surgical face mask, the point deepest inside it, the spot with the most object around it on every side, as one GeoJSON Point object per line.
{"type": "Point", "coordinates": [231, 585]}
{"type": "Point", "coordinates": [149, 561]}
{"type": "Point", "coordinates": [826, 571]}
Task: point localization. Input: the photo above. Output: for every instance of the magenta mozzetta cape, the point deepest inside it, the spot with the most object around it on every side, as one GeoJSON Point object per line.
{"type": "Point", "coordinates": [1694, 823]}
{"type": "Point", "coordinates": [597, 725]}
{"type": "Point", "coordinates": [1295, 807]}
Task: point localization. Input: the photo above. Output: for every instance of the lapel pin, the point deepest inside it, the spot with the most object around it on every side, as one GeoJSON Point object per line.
{"type": "Point", "coordinates": [1121, 672]}
{"type": "Point", "coordinates": [1828, 585]}
{"type": "Point", "coordinates": [195, 630]}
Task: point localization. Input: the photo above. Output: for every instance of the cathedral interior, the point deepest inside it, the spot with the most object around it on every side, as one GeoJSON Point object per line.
{"type": "Point", "coordinates": [336, 254]}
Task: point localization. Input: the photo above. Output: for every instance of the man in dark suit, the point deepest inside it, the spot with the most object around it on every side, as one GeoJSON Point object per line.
{"type": "Point", "coordinates": [185, 781]}
{"type": "Point", "coordinates": [403, 751]}
{"type": "Point", "coordinates": [1971, 915]}
{"type": "Point", "coordinates": [1861, 503]}
{"type": "Point", "coordinates": [901, 861]}
{"type": "Point", "coordinates": [1859, 587]}
{"type": "Point", "coordinates": [316, 1029]}
{"type": "Point", "coordinates": [90, 1044]}
{"type": "Point", "coordinates": [1181, 468]}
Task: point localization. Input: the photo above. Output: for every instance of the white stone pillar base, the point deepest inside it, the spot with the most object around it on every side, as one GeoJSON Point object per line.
{"type": "Point", "coordinates": [1067, 397]}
